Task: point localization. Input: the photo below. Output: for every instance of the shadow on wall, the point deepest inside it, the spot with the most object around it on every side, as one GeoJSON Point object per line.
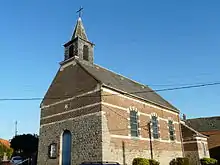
{"type": "Point", "coordinates": [215, 153]}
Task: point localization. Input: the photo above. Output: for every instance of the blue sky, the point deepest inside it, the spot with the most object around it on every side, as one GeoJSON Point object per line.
{"type": "Point", "coordinates": [158, 43]}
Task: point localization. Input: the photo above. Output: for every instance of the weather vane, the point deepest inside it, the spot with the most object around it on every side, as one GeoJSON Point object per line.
{"type": "Point", "coordinates": [80, 11]}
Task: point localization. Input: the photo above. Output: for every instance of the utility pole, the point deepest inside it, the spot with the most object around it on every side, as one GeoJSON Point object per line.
{"type": "Point", "coordinates": [16, 128]}
{"type": "Point", "coordinates": [123, 149]}
{"type": "Point", "coordinates": [150, 136]}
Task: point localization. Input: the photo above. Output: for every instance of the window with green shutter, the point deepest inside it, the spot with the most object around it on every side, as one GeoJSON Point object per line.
{"type": "Point", "coordinates": [134, 123]}
{"type": "Point", "coordinates": [171, 130]}
{"type": "Point", "coordinates": [155, 127]}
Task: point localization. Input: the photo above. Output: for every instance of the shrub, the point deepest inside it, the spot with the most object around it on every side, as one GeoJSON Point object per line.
{"type": "Point", "coordinates": [140, 161]}
{"type": "Point", "coordinates": [182, 161]}
{"type": "Point", "coordinates": [173, 162]}
{"type": "Point", "coordinates": [153, 162]}
{"type": "Point", "coordinates": [207, 161]}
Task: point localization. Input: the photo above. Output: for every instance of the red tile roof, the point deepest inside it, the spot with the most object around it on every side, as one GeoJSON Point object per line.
{"type": "Point", "coordinates": [5, 142]}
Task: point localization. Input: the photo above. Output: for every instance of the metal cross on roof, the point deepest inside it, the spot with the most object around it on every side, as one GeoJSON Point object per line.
{"type": "Point", "coordinates": [80, 11]}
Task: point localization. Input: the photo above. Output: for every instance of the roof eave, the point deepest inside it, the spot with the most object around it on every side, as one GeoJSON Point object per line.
{"type": "Point", "coordinates": [129, 94]}
{"type": "Point", "coordinates": [69, 42]}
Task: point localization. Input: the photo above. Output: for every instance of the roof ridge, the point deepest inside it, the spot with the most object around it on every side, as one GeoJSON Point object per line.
{"type": "Point", "coordinates": [211, 117]}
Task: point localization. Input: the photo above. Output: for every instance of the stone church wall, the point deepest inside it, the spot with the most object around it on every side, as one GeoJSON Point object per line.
{"type": "Point", "coordinates": [86, 139]}
{"type": "Point", "coordinates": [77, 109]}
{"type": "Point", "coordinates": [118, 145]}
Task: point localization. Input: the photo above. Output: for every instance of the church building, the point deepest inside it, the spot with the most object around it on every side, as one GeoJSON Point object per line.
{"type": "Point", "coordinates": [90, 113]}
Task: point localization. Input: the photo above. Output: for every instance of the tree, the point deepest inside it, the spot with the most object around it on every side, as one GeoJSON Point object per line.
{"type": "Point", "coordinates": [5, 149]}
{"type": "Point", "coordinates": [25, 144]}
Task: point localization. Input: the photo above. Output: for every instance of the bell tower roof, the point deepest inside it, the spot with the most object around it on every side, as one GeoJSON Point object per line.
{"type": "Point", "coordinates": [79, 47]}
{"type": "Point", "coordinates": [79, 30]}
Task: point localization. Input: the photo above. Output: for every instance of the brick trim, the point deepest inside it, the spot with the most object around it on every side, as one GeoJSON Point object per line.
{"type": "Point", "coordinates": [170, 119]}
{"type": "Point", "coordinates": [132, 108]}
{"type": "Point", "coordinates": [158, 125]}
{"type": "Point", "coordinates": [81, 116]}
{"type": "Point", "coordinates": [189, 142]}
{"type": "Point", "coordinates": [141, 113]}
{"type": "Point", "coordinates": [76, 109]}
{"type": "Point", "coordinates": [140, 138]}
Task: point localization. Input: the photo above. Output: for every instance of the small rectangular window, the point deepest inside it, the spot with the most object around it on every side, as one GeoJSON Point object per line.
{"type": "Point", "coordinates": [134, 123]}
{"type": "Point", "coordinates": [171, 130]}
{"type": "Point", "coordinates": [155, 127]}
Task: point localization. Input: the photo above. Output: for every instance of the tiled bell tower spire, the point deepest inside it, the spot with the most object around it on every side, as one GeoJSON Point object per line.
{"type": "Point", "coordinates": [79, 46]}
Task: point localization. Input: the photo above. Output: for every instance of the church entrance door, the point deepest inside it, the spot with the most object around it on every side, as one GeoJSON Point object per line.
{"type": "Point", "coordinates": [66, 147]}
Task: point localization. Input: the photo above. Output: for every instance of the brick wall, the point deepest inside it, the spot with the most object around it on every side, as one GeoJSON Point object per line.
{"type": "Point", "coordinates": [70, 80]}
{"type": "Point", "coordinates": [117, 140]}
{"type": "Point", "coordinates": [100, 125]}
{"type": "Point", "coordinates": [195, 144]}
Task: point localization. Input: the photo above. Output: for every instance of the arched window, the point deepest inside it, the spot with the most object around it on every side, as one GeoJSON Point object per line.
{"type": "Point", "coordinates": [171, 130]}
{"type": "Point", "coordinates": [71, 50]}
{"type": "Point", "coordinates": [155, 127]}
{"type": "Point", "coordinates": [134, 123]}
{"type": "Point", "coordinates": [66, 147]}
{"type": "Point", "coordinates": [86, 52]}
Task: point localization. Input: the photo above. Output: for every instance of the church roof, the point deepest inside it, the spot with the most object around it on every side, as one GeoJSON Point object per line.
{"type": "Point", "coordinates": [79, 30]}
{"type": "Point", "coordinates": [188, 131]}
{"type": "Point", "coordinates": [204, 124]}
{"type": "Point", "coordinates": [121, 83]}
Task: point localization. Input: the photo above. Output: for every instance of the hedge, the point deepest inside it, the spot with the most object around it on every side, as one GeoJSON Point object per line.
{"type": "Point", "coordinates": [180, 161]}
{"type": "Point", "coordinates": [144, 161]}
{"type": "Point", "coordinates": [208, 161]}
{"type": "Point", "coordinates": [153, 162]}
{"type": "Point", "coordinates": [140, 161]}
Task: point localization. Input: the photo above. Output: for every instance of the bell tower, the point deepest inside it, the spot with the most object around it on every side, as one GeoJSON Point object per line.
{"type": "Point", "coordinates": [79, 46]}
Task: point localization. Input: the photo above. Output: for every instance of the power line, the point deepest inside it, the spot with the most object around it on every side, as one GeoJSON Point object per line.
{"type": "Point", "coordinates": [136, 92]}
{"type": "Point", "coordinates": [182, 87]}
{"type": "Point", "coordinates": [179, 84]}
{"type": "Point", "coordinates": [115, 112]}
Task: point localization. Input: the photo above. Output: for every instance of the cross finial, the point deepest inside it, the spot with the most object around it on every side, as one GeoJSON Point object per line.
{"type": "Point", "coordinates": [80, 11]}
